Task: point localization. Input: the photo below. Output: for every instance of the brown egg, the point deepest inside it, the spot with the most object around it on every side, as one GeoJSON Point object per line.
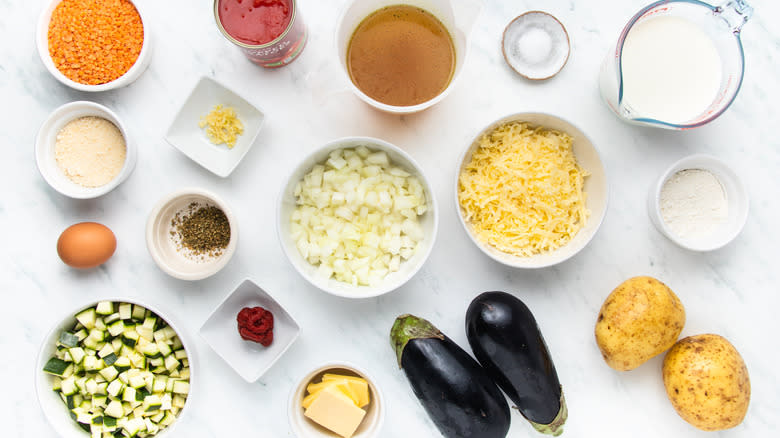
{"type": "Point", "coordinates": [86, 245]}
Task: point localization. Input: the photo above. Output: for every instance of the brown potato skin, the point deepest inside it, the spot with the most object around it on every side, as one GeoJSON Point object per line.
{"type": "Point", "coordinates": [707, 382]}
{"type": "Point", "coordinates": [640, 319]}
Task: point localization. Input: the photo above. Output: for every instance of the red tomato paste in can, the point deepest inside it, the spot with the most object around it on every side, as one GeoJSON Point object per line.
{"type": "Point", "coordinates": [270, 32]}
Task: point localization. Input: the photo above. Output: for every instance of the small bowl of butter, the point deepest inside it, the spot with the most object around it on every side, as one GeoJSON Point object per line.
{"type": "Point", "coordinates": [335, 400]}
{"type": "Point", "coordinates": [83, 150]}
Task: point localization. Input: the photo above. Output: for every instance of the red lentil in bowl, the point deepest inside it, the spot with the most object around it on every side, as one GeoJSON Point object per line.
{"type": "Point", "coordinates": [94, 45]}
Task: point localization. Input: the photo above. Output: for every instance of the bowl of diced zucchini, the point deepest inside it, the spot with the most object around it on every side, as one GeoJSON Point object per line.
{"type": "Point", "coordinates": [114, 368]}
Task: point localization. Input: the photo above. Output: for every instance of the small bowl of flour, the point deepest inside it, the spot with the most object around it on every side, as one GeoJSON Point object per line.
{"type": "Point", "coordinates": [82, 150]}
{"type": "Point", "coordinates": [699, 203]}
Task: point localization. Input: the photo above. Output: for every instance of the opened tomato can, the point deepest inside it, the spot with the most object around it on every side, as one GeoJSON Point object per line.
{"type": "Point", "coordinates": [271, 33]}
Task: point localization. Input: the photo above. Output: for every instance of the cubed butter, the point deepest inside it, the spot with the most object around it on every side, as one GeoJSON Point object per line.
{"type": "Point", "coordinates": [333, 410]}
{"type": "Point", "coordinates": [359, 387]}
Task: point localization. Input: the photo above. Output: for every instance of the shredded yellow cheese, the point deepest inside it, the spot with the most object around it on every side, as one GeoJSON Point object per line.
{"type": "Point", "coordinates": [522, 191]}
{"type": "Point", "coordinates": [222, 125]}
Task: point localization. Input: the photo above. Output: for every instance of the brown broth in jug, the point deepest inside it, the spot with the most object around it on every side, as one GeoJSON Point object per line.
{"type": "Point", "coordinates": [401, 55]}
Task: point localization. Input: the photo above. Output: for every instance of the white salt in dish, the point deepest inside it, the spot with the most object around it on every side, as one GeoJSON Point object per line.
{"type": "Point", "coordinates": [536, 45]}
{"type": "Point", "coordinates": [721, 231]}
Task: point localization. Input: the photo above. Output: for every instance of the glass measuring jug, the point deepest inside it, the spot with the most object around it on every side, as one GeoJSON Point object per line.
{"type": "Point", "coordinates": [678, 64]}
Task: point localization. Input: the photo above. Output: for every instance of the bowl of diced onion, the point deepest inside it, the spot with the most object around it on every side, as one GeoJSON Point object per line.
{"type": "Point", "coordinates": [80, 383]}
{"type": "Point", "coordinates": [357, 217]}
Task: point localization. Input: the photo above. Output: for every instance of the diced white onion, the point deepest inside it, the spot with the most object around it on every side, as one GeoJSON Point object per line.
{"type": "Point", "coordinates": [357, 216]}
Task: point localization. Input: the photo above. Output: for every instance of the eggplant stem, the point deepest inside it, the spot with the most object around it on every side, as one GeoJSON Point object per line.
{"type": "Point", "coordinates": [407, 327]}
{"type": "Point", "coordinates": [555, 427]}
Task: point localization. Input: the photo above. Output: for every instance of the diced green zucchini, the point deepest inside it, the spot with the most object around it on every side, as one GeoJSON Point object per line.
{"type": "Point", "coordinates": [145, 332]}
{"type": "Point", "coordinates": [122, 364]}
{"type": "Point", "coordinates": [100, 324]}
{"type": "Point", "coordinates": [129, 394]}
{"type": "Point", "coordinates": [111, 318]}
{"type": "Point", "coordinates": [109, 420]}
{"type": "Point", "coordinates": [115, 388]}
{"type": "Point", "coordinates": [99, 401]}
{"type": "Point", "coordinates": [81, 334]}
{"type": "Point", "coordinates": [109, 373]}
{"type": "Point", "coordinates": [114, 409]}
{"type": "Point", "coordinates": [138, 312]}
{"type": "Point", "coordinates": [69, 339]}
{"type": "Point", "coordinates": [130, 338]}
{"type": "Point", "coordinates": [150, 322]}
{"type": "Point", "coordinates": [137, 382]}
{"type": "Point", "coordinates": [171, 363]}
{"type": "Point", "coordinates": [55, 366]}
{"type": "Point", "coordinates": [105, 351]}
{"type": "Point", "coordinates": [110, 359]}
{"type": "Point", "coordinates": [116, 328]}
{"type": "Point", "coordinates": [125, 310]}
{"type": "Point", "coordinates": [164, 348]}
{"type": "Point", "coordinates": [157, 362]}
{"type": "Point", "coordinates": [151, 350]}
{"type": "Point", "coordinates": [105, 308]}
{"type": "Point", "coordinates": [77, 354]}
{"type": "Point", "coordinates": [91, 386]}
{"type": "Point", "coordinates": [181, 387]}
{"type": "Point", "coordinates": [87, 318]}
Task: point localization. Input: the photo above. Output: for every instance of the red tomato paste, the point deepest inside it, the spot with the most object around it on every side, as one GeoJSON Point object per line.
{"type": "Point", "coordinates": [256, 324]}
{"type": "Point", "coordinates": [255, 22]}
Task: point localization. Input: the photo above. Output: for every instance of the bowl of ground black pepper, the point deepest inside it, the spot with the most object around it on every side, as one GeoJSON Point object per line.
{"type": "Point", "coordinates": [191, 234]}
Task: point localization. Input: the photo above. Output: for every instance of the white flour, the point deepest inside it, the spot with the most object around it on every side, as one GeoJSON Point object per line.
{"type": "Point", "coordinates": [693, 203]}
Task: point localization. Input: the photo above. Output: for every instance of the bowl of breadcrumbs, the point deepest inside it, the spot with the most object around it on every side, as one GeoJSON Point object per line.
{"type": "Point", "coordinates": [93, 45]}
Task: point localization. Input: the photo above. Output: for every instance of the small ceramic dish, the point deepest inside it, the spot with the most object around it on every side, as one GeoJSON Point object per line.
{"type": "Point", "coordinates": [57, 412]}
{"type": "Point", "coordinates": [161, 243]}
{"type": "Point", "coordinates": [287, 204]}
{"type": "Point", "coordinates": [140, 65]}
{"type": "Point", "coordinates": [303, 427]}
{"type": "Point", "coordinates": [736, 198]}
{"type": "Point", "coordinates": [250, 360]}
{"type": "Point", "coordinates": [45, 149]}
{"type": "Point", "coordinates": [185, 135]}
{"type": "Point", "coordinates": [536, 45]}
{"type": "Point", "coordinates": [595, 188]}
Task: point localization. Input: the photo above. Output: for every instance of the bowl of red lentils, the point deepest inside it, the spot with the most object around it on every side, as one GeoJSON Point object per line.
{"type": "Point", "coordinates": [93, 45]}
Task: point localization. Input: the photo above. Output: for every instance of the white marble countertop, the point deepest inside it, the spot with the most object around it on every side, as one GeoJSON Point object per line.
{"type": "Point", "coordinates": [732, 291]}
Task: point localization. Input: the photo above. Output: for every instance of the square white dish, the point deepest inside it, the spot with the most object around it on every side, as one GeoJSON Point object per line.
{"type": "Point", "coordinates": [220, 331]}
{"type": "Point", "coordinates": [185, 135]}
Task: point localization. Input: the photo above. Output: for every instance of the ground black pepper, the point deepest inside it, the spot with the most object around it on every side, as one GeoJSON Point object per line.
{"type": "Point", "coordinates": [203, 230]}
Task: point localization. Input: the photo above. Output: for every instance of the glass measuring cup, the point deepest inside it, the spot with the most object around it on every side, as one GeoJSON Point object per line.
{"type": "Point", "coordinates": [722, 24]}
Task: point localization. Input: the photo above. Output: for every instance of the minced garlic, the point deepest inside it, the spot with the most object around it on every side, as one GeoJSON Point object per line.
{"type": "Point", "coordinates": [522, 191]}
{"type": "Point", "coordinates": [222, 125]}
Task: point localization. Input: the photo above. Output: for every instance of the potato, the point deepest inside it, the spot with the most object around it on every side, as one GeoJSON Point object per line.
{"type": "Point", "coordinates": [640, 319]}
{"type": "Point", "coordinates": [707, 382]}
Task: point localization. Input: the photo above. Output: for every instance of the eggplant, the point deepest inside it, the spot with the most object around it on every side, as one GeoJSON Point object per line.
{"type": "Point", "coordinates": [454, 389]}
{"type": "Point", "coordinates": [506, 340]}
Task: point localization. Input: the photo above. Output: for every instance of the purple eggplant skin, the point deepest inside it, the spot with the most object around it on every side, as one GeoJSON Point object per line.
{"type": "Point", "coordinates": [506, 340]}
{"type": "Point", "coordinates": [452, 387]}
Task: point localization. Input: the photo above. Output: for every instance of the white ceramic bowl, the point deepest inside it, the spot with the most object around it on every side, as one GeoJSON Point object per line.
{"type": "Point", "coordinates": [51, 403]}
{"type": "Point", "coordinates": [596, 188]}
{"type": "Point", "coordinates": [47, 137]}
{"type": "Point", "coordinates": [304, 428]}
{"type": "Point", "coordinates": [163, 249]}
{"type": "Point", "coordinates": [42, 41]}
{"type": "Point", "coordinates": [248, 359]}
{"type": "Point", "coordinates": [458, 17]}
{"type": "Point", "coordinates": [736, 196]}
{"type": "Point", "coordinates": [185, 135]}
{"type": "Point", "coordinates": [392, 281]}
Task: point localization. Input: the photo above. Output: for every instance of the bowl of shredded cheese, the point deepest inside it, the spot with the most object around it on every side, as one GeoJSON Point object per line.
{"type": "Point", "coordinates": [531, 190]}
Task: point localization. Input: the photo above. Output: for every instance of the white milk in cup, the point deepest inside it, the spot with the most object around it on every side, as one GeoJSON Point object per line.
{"type": "Point", "coordinates": [678, 64]}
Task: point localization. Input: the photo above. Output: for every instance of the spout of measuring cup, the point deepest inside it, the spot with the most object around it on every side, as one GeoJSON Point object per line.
{"type": "Point", "coordinates": [466, 13]}
{"type": "Point", "coordinates": [736, 13]}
